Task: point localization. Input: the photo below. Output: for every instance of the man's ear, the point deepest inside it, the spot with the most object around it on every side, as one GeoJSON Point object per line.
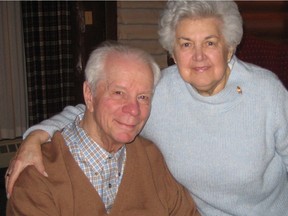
{"type": "Point", "coordinates": [88, 96]}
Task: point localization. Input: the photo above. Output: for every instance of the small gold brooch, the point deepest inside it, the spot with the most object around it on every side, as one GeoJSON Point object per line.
{"type": "Point", "coordinates": [239, 90]}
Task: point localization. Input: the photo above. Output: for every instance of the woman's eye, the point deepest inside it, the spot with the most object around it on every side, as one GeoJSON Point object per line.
{"type": "Point", "coordinates": [186, 45]}
{"type": "Point", "coordinates": [210, 43]}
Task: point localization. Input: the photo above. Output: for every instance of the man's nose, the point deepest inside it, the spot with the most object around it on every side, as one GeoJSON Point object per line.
{"type": "Point", "coordinates": [132, 107]}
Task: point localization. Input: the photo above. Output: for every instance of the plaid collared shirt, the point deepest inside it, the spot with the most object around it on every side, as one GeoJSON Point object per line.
{"type": "Point", "coordinates": [103, 169]}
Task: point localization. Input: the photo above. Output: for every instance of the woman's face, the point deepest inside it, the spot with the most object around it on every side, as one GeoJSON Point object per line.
{"type": "Point", "coordinates": [201, 54]}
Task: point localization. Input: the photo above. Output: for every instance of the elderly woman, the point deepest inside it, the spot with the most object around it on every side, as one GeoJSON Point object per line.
{"type": "Point", "coordinates": [221, 124]}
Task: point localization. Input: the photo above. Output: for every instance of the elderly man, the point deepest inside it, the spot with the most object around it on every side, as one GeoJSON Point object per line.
{"type": "Point", "coordinates": [98, 164]}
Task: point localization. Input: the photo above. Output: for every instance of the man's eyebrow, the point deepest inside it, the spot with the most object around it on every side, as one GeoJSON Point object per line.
{"type": "Point", "coordinates": [148, 92]}
{"type": "Point", "coordinates": [117, 86]}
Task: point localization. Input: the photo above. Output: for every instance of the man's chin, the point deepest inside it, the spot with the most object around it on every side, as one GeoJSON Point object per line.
{"type": "Point", "coordinates": [126, 138]}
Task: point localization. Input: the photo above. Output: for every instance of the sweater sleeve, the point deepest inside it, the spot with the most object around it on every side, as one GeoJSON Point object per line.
{"type": "Point", "coordinates": [281, 135]}
{"type": "Point", "coordinates": [172, 194]}
{"type": "Point", "coordinates": [57, 122]}
{"type": "Point", "coordinates": [179, 201]}
{"type": "Point", "coordinates": [31, 197]}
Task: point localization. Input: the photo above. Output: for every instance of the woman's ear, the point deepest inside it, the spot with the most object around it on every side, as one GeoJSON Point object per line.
{"type": "Point", "coordinates": [88, 96]}
{"type": "Point", "coordinates": [230, 54]}
{"type": "Point", "coordinates": [173, 57]}
{"type": "Point", "coordinates": [174, 60]}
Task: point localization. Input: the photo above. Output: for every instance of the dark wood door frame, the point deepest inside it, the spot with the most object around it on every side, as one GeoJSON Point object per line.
{"type": "Point", "coordinates": [87, 36]}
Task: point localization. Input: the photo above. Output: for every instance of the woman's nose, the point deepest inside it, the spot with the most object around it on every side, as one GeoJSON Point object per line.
{"type": "Point", "coordinates": [198, 54]}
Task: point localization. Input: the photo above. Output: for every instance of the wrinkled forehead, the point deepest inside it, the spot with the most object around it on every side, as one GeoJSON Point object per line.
{"type": "Point", "coordinates": [129, 69]}
{"type": "Point", "coordinates": [128, 61]}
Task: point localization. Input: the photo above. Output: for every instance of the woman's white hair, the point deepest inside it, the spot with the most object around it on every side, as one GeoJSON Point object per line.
{"type": "Point", "coordinates": [94, 70]}
{"type": "Point", "coordinates": [226, 11]}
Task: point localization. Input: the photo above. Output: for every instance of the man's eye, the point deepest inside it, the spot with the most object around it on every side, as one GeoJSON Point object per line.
{"type": "Point", "coordinates": [144, 98]}
{"type": "Point", "coordinates": [118, 93]}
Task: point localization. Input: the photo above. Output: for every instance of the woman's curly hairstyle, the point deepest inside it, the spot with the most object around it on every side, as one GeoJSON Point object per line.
{"type": "Point", "coordinates": [226, 11]}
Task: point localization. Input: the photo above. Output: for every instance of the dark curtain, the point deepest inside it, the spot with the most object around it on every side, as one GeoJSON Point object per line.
{"type": "Point", "coordinates": [49, 60]}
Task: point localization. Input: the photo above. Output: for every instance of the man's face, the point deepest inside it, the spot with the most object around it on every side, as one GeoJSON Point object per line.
{"type": "Point", "coordinates": [122, 100]}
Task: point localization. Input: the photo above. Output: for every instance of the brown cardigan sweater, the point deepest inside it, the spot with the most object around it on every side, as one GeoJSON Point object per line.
{"type": "Point", "coordinates": [147, 187]}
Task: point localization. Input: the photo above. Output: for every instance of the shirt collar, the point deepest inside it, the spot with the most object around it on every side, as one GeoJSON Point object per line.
{"type": "Point", "coordinates": [92, 152]}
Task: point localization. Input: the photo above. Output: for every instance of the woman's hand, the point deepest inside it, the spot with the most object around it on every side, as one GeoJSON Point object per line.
{"type": "Point", "coordinates": [29, 153]}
